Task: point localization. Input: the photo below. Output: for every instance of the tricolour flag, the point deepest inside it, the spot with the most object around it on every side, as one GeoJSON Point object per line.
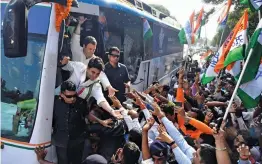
{"type": "Point", "coordinates": [186, 34]}
{"type": "Point", "coordinates": [206, 55]}
{"type": "Point", "coordinates": [253, 4]}
{"type": "Point", "coordinates": [227, 46]}
{"type": "Point", "coordinates": [250, 92]}
{"type": "Point", "coordinates": [199, 23]}
{"type": "Point", "coordinates": [251, 88]}
{"type": "Point", "coordinates": [210, 74]}
{"type": "Point", "coordinates": [147, 31]}
{"type": "Point", "coordinates": [217, 62]}
{"type": "Point", "coordinates": [222, 19]}
{"type": "Point", "coordinates": [237, 51]}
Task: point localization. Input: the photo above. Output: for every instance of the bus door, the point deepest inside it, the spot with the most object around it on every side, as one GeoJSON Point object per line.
{"type": "Point", "coordinates": [90, 27]}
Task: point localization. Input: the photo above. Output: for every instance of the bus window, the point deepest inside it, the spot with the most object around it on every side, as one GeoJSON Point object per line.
{"type": "Point", "coordinates": [166, 42]}
{"type": "Point", "coordinates": [125, 32]}
{"type": "Point", "coordinates": [20, 79]}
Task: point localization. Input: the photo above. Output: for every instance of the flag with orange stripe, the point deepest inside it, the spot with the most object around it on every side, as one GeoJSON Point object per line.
{"type": "Point", "coordinates": [199, 22]}
{"type": "Point", "coordinates": [222, 19]}
{"type": "Point", "coordinates": [206, 55]}
{"type": "Point", "coordinates": [237, 51]}
{"type": "Point", "coordinates": [232, 39]}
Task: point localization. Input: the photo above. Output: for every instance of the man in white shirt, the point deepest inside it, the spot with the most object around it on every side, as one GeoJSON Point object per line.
{"type": "Point", "coordinates": [85, 53]}
{"type": "Point", "coordinates": [86, 79]}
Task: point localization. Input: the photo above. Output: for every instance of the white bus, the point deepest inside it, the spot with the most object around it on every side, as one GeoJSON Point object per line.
{"type": "Point", "coordinates": [30, 57]}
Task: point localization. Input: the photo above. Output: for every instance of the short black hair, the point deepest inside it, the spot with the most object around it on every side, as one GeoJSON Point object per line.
{"type": "Point", "coordinates": [89, 40]}
{"type": "Point", "coordinates": [155, 82]}
{"type": "Point", "coordinates": [113, 49]}
{"type": "Point", "coordinates": [131, 153]}
{"type": "Point", "coordinates": [167, 109]}
{"type": "Point", "coordinates": [208, 139]}
{"type": "Point", "coordinates": [68, 85]}
{"type": "Point", "coordinates": [135, 135]}
{"type": "Point", "coordinates": [249, 140]}
{"type": "Point", "coordinates": [166, 88]}
{"type": "Point", "coordinates": [207, 154]}
{"type": "Point", "coordinates": [96, 62]}
{"type": "Point", "coordinates": [200, 114]}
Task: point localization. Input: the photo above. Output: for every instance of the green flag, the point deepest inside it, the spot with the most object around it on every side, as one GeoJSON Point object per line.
{"type": "Point", "coordinates": [251, 88]}
{"type": "Point", "coordinates": [254, 5]}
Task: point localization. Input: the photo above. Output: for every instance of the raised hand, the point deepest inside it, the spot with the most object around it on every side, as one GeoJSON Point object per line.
{"type": "Point", "coordinates": [116, 102]}
{"type": "Point", "coordinates": [163, 136]}
{"type": "Point", "coordinates": [65, 60]}
{"type": "Point", "coordinates": [149, 124]}
{"type": "Point", "coordinates": [81, 19]}
{"type": "Point", "coordinates": [208, 117]}
{"type": "Point", "coordinates": [40, 152]}
{"type": "Point", "coordinates": [157, 110]}
{"type": "Point", "coordinates": [106, 123]}
{"type": "Point", "coordinates": [130, 95]}
{"type": "Point", "coordinates": [244, 152]}
{"type": "Point", "coordinates": [111, 91]}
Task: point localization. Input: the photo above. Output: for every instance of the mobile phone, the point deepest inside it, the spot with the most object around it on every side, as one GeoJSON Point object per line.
{"type": "Point", "coordinates": [219, 123]}
{"type": "Point", "coordinates": [179, 104]}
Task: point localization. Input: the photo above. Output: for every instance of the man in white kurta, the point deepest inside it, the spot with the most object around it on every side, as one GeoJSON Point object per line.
{"type": "Point", "coordinates": [85, 53]}
{"type": "Point", "coordinates": [84, 76]}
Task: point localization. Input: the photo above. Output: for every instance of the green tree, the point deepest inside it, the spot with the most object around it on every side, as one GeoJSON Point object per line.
{"type": "Point", "coordinates": [217, 40]}
{"type": "Point", "coordinates": [161, 8]}
{"type": "Point", "coordinates": [207, 14]}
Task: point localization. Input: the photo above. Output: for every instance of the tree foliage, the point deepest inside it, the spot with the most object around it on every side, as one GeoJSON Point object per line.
{"type": "Point", "coordinates": [206, 15]}
{"type": "Point", "coordinates": [161, 8]}
{"type": "Point", "coordinates": [218, 39]}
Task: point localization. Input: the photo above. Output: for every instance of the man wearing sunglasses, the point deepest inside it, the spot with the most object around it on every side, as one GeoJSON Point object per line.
{"type": "Point", "coordinates": [69, 124]}
{"type": "Point", "coordinates": [117, 73]}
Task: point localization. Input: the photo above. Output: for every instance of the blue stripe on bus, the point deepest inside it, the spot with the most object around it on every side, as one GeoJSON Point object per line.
{"type": "Point", "coordinates": [122, 7]}
{"type": "Point", "coordinates": [38, 18]}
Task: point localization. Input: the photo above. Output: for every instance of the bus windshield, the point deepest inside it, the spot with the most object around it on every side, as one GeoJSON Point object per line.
{"type": "Point", "coordinates": [20, 82]}
{"type": "Point", "coordinates": [20, 79]}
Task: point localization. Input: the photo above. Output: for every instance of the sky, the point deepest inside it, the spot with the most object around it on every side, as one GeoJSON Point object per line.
{"type": "Point", "coordinates": [182, 9]}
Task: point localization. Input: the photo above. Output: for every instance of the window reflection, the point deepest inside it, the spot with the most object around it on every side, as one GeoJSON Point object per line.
{"type": "Point", "coordinates": [125, 32]}
{"type": "Point", "coordinates": [20, 80]}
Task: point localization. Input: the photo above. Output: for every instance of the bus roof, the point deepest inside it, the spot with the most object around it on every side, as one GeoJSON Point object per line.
{"type": "Point", "coordinates": [127, 7]}
{"type": "Point", "coordinates": [121, 5]}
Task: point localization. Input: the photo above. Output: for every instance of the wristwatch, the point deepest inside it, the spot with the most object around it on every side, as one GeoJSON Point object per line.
{"type": "Point", "coordinates": [172, 143]}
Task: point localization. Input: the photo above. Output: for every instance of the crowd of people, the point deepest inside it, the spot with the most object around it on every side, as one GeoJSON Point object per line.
{"type": "Point", "coordinates": [162, 125]}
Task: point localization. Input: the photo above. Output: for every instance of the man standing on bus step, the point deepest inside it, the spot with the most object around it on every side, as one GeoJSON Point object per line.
{"type": "Point", "coordinates": [87, 52]}
{"type": "Point", "coordinates": [69, 125]}
{"type": "Point", "coordinates": [117, 73]}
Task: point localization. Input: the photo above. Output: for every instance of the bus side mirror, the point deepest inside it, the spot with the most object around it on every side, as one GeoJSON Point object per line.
{"type": "Point", "coordinates": [15, 29]}
{"type": "Point", "coordinates": [15, 25]}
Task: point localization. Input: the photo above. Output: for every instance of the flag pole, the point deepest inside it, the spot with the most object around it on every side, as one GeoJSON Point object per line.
{"type": "Point", "coordinates": [221, 38]}
{"type": "Point", "coordinates": [259, 15]}
{"type": "Point", "coordinates": [238, 84]}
